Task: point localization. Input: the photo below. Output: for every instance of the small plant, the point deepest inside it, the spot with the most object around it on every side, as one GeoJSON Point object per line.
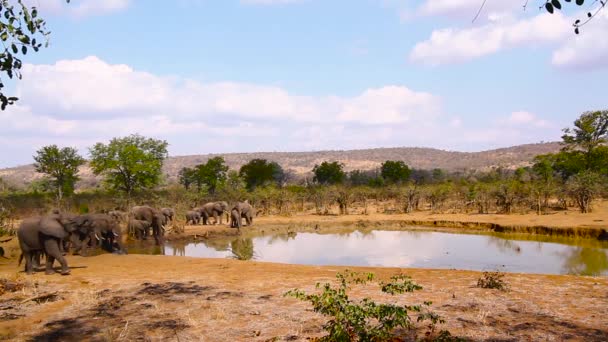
{"type": "Point", "coordinates": [366, 320]}
{"type": "Point", "coordinates": [493, 280]}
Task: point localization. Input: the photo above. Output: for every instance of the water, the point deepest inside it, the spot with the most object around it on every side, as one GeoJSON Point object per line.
{"type": "Point", "coordinates": [418, 249]}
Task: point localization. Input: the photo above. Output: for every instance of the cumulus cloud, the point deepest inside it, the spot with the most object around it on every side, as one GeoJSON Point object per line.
{"type": "Point", "coordinates": [456, 45]}
{"type": "Point", "coordinates": [525, 118]}
{"type": "Point", "coordinates": [588, 50]}
{"type": "Point", "coordinates": [466, 8]}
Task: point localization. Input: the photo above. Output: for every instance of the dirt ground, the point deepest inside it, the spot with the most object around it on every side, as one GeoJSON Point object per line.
{"type": "Point", "coordinates": [154, 298]}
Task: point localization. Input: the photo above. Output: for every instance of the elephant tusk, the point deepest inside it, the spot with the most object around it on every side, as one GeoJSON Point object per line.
{"type": "Point", "coordinates": [97, 237]}
{"type": "Point", "coordinates": [116, 235]}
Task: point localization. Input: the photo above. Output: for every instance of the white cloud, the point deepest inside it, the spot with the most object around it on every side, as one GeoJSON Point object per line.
{"type": "Point", "coordinates": [525, 118]}
{"type": "Point", "coordinates": [587, 50]}
{"type": "Point", "coordinates": [80, 8]}
{"type": "Point", "coordinates": [452, 45]}
{"type": "Point", "coordinates": [90, 87]}
{"type": "Point", "coordinates": [467, 8]}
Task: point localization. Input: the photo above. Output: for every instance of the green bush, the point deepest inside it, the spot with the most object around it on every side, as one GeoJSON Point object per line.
{"type": "Point", "coordinates": [366, 320]}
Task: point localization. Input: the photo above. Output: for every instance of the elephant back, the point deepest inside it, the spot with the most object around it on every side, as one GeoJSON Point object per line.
{"type": "Point", "coordinates": [51, 226]}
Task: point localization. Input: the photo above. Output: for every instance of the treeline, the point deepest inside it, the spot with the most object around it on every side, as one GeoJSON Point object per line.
{"type": "Point", "coordinates": [131, 167]}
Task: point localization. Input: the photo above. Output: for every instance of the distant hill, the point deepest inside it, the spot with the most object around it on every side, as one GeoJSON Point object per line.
{"type": "Point", "coordinates": [302, 163]}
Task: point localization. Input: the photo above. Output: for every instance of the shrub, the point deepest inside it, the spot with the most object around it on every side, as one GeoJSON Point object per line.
{"type": "Point", "coordinates": [366, 320]}
{"type": "Point", "coordinates": [492, 280]}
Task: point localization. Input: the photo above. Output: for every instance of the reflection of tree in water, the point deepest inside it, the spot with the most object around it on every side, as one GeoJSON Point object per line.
{"type": "Point", "coordinates": [242, 249]}
{"type": "Point", "coordinates": [282, 237]}
{"type": "Point", "coordinates": [504, 245]}
{"type": "Point", "coordinates": [585, 261]}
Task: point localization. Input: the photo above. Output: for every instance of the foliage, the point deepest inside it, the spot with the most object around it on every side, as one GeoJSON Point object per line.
{"type": "Point", "coordinates": [552, 5]}
{"type": "Point", "coordinates": [130, 163]}
{"type": "Point", "coordinates": [234, 189]}
{"type": "Point", "coordinates": [21, 30]}
{"type": "Point", "coordinates": [260, 172]}
{"type": "Point", "coordinates": [61, 166]}
{"type": "Point", "coordinates": [206, 176]}
{"type": "Point", "coordinates": [493, 280]}
{"type": "Point", "coordinates": [590, 131]}
{"type": "Point", "coordinates": [365, 320]}
{"type": "Point", "coordinates": [395, 171]}
{"type": "Point", "coordinates": [365, 177]}
{"type": "Point", "coordinates": [329, 173]}
{"type": "Point", "coordinates": [583, 188]}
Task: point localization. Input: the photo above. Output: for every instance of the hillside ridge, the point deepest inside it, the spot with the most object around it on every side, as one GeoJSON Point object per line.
{"type": "Point", "coordinates": [301, 163]}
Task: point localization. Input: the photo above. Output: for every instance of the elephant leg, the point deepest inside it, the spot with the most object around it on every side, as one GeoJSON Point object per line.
{"type": "Point", "coordinates": [249, 220]}
{"type": "Point", "coordinates": [51, 247]}
{"type": "Point", "coordinates": [29, 260]}
{"type": "Point", "coordinates": [215, 219]}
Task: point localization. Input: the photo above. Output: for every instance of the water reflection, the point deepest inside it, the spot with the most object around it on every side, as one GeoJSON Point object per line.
{"type": "Point", "coordinates": [424, 249]}
{"type": "Point", "coordinates": [586, 261]}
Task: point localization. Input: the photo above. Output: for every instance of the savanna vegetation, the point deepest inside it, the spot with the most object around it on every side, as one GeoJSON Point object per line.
{"type": "Point", "coordinates": [575, 177]}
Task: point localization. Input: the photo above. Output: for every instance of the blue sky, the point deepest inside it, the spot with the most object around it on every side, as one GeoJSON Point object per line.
{"type": "Point", "coordinates": [213, 76]}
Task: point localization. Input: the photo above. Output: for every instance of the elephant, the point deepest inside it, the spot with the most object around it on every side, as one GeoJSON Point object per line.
{"type": "Point", "coordinates": [169, 214]}
{"type": "Point", "coordinates": [44, 234]}
{"type": "Point", "coordinates": [193, 216]}
{"type": "Point", "coordinates": [97, 229]}
{"type": "Point", "coordinates": [214, 209]}
{"type": "Point", "coordinates": [118, 215]}
{"type": "Point", "coordinates": [138, 227]}
{"type": "Point", "coordinates": [154, 217]}
{"type": "Point", "coordinates": [238, 212]}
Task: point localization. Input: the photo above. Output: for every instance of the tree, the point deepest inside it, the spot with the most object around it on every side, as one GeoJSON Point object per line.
{"type": "Point", "coordinates": [130, 163]}
{"type": "Point", "coordinates": [186, 177]}
{"type": "Point", "coordinates": [589, 132]}
{"type": "Point", "coordinates": [61, 166]}
{"type": "Point", "coordinates": [212, 173]}
{"type": "Point", "coordinates": [21, 30]}
{"type": "Point", "coordinates": [260, 172]}
{"type": "Point", "coordinates": [583, 188]}
{"type": "Point", "coordinates": [329, 173]}
{"type": "Point", "coordinates": [395, 172]}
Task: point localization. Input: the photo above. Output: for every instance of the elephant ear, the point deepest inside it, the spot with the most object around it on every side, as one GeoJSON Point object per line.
{"type": "Point", "coordinates": [51, 227]}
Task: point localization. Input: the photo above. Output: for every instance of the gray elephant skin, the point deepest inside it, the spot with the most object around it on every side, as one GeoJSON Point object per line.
{"type": "Point", "coordinates": [97, 230]}
{"type": "Point", "coordinates": [44, 235]}
{"type": "Point", "coordinates": [238, 212]}
{"type": "Point", "coordinates": [169, 214]}
{"type": "Point", "coordinates": [139, 227]}
{"type": "Point", "coordinates": [193, 216]}
{"type": "Point", "coordinates": [215, 210]}
{"type": "Point", "coordinates": [154, 217]}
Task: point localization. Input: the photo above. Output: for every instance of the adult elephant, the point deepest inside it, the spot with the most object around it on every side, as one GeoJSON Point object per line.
{"type": "Point", "coordinates": [238, 212]}
{"type": "Point", "coordinates": [215, 210]}
{"type": "Point", "coordinates": [118, 215]}
{"type": "Point", "coordinates": [97, 230]}
{"type": "Point", "coordinates": [193, 216]}
{"type": "Point", "coordinates": [138, 227]}
{"type": "Point", "coordinates": [154, 217]}
{"type": "Point", "coordinates": [169, 214]}
{"type": "Point", "coordinates": [44, 235]}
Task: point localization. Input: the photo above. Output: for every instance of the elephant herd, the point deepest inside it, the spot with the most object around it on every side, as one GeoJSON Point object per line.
{"type": "Point", "coordinates": [55, 234]}
{"type": "Point", "coordinates": [240, 211]}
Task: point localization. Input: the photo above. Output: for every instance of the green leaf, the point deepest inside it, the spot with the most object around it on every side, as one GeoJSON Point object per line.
{"type": "Point", "coordinates": [14, 48]}
{"type": "Point", "coordinates": [24, 50]}
{"type": "Point", "coordinates": [549, 7]}
{"type": "Point", "coordinates": [580, 2]}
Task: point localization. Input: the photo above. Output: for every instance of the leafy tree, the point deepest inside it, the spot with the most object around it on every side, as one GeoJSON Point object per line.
{"type": "Point", "coordinates": [130, 163]}
{"type": "Point", "coordinates": [395, 172]}
{"type": "Point", "coordinates": [212, 173]}
{"type": "Point", "coordinates": [583, 188]}
{"type": "Point", "coordinates": [363, 177]}
{"type": "Point", "coordinates": [329, 173]}
{"type": "Point", "coordinates": [21, 30]}
{"type": "Point", "coordinates": [186, 177]}
{"type": "Point", "coordinates": [589, 132]}
{"type": "Point", "coordinates": [61, 166]}
{"type": "Point", "coordinates": [233, 189]}
{"type": "Point", "coordinates": [260, 172]}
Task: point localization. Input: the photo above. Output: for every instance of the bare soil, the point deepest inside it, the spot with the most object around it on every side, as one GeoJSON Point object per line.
{"type": "Point", "coordinates": [154, 298]}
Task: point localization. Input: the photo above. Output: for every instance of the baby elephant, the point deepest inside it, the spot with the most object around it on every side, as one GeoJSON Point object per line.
{"type": "Point", "coordinates": [193, 217]}
{"type": "Point", "coordinates": [139, 228]}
